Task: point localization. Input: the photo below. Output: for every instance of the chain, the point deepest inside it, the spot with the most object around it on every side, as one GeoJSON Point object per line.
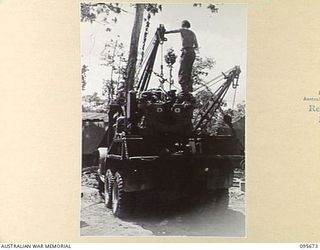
{"type": "Point", "coordinates": [145, 37]}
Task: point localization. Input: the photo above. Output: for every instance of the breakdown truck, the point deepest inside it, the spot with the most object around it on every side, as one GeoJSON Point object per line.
{"type": "Point", "coordinates": [155, 142]}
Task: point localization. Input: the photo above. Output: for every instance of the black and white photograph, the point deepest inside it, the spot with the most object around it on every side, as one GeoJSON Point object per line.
{"type": "Point", "coordinates": [163, 119]}
{"type": "Point", "coordinates": [155, 125]}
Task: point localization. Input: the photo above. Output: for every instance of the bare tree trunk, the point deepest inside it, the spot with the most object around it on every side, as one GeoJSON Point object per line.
{"type": "Point", "coordinates": [133, 53]}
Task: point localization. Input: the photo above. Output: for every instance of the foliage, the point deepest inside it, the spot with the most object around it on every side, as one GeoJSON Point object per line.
{"type": "Point", "coordinates": [106, 13]}
{"type": "Point", "coordinates": [93, 103]}
{"type": "Point", "coordinates": [238, 112]}
{"type": "Point", "coordinates": [108, 89]}
{"type": "Point", "coordinates": [113, 57]}
{"type": "Point", "coordinates": [200, 69]}
{"type": "Point", "coordinates": [211, 7]}
{"type": "Point", "coordinates": [90, 12]}
{"type": "Point", "coordinates": [112, 49]}
{"type": "Point", "coordinates": [203, 100]}
{"type": "Point", "coordinates": [150, 9]}
{"type": "Point", "coordinates": [84, 70]}
{"type": "Point", "coordinates": [170, 58]}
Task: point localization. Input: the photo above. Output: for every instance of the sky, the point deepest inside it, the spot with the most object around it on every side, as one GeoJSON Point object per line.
{"type": "Point", "coordinates": [221, 36]}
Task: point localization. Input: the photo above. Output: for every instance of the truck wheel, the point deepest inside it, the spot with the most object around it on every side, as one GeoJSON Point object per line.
{"type": "Point", "coordinates": [108, 183]}
{"type": "Point", "coordinates": [120, 199]}
{"type": "Point", "coordinates": [100, 186]}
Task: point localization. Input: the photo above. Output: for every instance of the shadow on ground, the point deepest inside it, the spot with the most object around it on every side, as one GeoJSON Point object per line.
{"type": "Point", "coordinates": [162, 215]}
{"type": "Point", "coordinates": [185, 217]}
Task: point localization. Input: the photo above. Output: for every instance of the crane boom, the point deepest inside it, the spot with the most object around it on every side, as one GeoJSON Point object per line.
{"type": "Point", "coordinates": [217, 97]}
{"type": "Point", "coordinates": [148, 69]}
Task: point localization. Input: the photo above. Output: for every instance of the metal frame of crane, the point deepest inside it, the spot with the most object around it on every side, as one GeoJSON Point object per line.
{"type": "Point", "coordinates": [151, 143]}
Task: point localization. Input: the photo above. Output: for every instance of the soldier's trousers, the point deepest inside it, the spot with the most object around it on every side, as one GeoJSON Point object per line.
{"type": "Point", "coordinates": [187, 58]}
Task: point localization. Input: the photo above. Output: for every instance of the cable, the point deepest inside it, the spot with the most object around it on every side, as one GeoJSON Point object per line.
{"type": "Point", "coordinates": [214, 79]}
{"type": "Point", "coordinates": [144, 61]}
{"type": "Point", "coordinates": [161, 65]}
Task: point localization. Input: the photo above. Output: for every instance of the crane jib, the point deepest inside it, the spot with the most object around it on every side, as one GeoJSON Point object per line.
{"type": "Point", "coordinates": [147, 71]}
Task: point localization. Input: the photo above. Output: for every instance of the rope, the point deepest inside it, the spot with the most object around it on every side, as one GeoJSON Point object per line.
{"type": "Point", "coordinates": [209, 86]}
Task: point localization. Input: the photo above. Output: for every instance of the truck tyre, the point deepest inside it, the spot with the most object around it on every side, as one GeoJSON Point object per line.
{"type": "Point", "coordinates": [108, 183]}
{"type": "Point", "coordinates": [100, 186]}
{"type": "Point", "coordinates": [120, 199]}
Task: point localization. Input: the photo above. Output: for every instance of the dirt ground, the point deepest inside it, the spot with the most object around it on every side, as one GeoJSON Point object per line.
{"type": "Point", "coordinates": [178, 217]}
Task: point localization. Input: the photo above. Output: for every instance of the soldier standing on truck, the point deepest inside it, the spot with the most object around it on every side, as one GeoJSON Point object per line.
{"type": "Point", "coordinates": [189, 44]}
